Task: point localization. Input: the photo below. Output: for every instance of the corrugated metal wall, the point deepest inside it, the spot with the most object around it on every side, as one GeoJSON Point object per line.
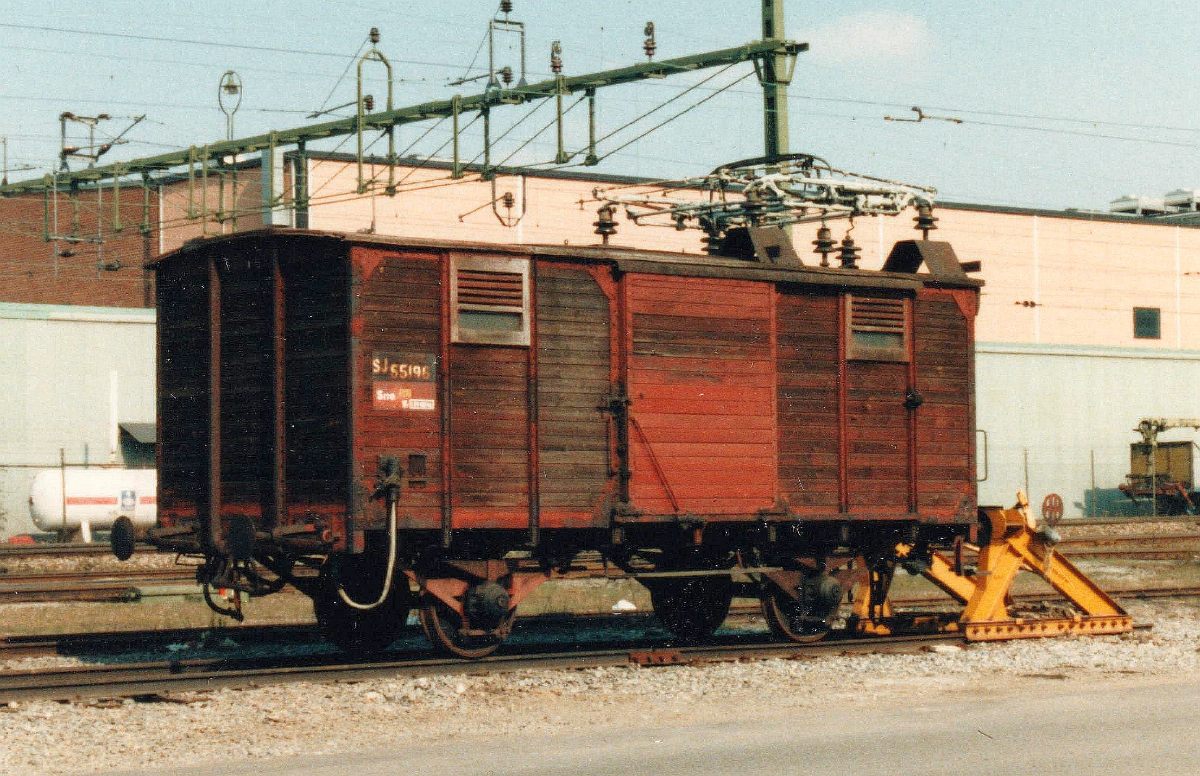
{"type": "Point", "coordinates": [61, 371]}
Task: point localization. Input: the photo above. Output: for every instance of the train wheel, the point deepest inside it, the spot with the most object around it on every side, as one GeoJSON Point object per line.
{"type": "Point", "coordinates": [354, 630]}
{"type": "Point", "coordinates": [694, 608]}
{"type": "Point", "coordinates": [443, 627]}
{"type": "Point", "coordinates": [790, 619]}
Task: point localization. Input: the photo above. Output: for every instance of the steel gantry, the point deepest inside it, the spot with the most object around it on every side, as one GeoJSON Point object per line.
{"type": "Point", "coordinates": [765, 54]}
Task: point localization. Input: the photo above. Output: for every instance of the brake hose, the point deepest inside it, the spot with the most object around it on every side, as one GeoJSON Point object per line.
{"type": "Point", "coordinates": [391, 567]}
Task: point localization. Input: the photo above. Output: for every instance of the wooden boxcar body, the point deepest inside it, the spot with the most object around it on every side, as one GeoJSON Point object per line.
{"type": "Point", "coordinates": [523, 407]}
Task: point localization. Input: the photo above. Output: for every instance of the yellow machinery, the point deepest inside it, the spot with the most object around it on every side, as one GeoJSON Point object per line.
{"type": "Point", "coordinates": [1010, 542]}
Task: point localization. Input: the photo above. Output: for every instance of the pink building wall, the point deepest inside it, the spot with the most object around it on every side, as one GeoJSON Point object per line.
{"type": "Point", "coordinates": [1055, 279]}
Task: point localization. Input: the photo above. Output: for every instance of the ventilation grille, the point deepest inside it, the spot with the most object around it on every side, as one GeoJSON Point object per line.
{"type": "Point", "coordinates": [490, 291]}
{"type": "Point", "coordinates": [885, 315]}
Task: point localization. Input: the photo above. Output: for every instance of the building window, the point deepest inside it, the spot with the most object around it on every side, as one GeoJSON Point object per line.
{"type": "Point", "coordinates": [489, 300]}
{"type": "Point", "coordinates": [877, 329]}
{"type": "Point", "coordinates": [1147, 323]}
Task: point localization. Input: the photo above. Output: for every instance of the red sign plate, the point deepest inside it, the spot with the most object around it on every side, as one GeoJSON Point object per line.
{"type": "Point", "coordinates": [1052, 508]}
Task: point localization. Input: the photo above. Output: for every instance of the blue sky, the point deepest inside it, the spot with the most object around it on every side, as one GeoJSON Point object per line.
{"type": "Point", "coordinates": [1064, 104]}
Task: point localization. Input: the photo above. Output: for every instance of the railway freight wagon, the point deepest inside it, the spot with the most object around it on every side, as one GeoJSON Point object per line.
{"type": "Point", "coordinates": [390, 424]}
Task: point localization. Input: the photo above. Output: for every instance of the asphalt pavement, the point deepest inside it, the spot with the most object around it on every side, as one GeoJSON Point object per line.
{"type": "Point", "coordinates": [1055, 729]}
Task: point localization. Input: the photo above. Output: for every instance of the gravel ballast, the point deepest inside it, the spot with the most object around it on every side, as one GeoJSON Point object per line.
{"type": "Point", "coordinates": [310, 719]}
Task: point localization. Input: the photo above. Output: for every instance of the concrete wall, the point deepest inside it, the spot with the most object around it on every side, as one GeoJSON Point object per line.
{"type": "Point", "coordinates": [66, 374]}
{"type": "Point", "coordinates": [1061, 405]}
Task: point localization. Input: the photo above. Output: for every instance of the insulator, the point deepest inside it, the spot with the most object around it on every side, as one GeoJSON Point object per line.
{"type": "Point", "coordinates": [506, 75]}
{"type": "Point", "coordinates": [373, 36]}
{"type": "Point", "coordinates": [605, 223]}
{"type": "Point", "coordinates": [556, 57]}
{"type": "Point", "coordinates": [680, 222]}
{"type": "Point", "coordinates": [849, 254]}
{"type": "Point", "coordinates": [926, 222]}
{"type": "Point", "coordinates": [505, 6]}
{"type": "Point", "coordinates": [368, 103]}
{"type": "Point", "coordinates": [507, 200]}
{"type": "Point", "coordinates": [712, 243]}
{"type": "Point", "coordinates": [651, 44]}
{"type": "Point", "coordinates": [824, 244]}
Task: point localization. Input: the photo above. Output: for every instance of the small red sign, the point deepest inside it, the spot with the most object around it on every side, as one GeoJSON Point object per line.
{"type": "Point", "coordinates": [1052, 508]}
{"type": "Point", "coordinates": [403, 382]}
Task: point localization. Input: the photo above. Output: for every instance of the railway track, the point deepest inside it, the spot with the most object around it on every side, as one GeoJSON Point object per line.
{"type": "Point", "coordinates": [161, 679]}
{"type": "Point", "coordinates": [114, 585]}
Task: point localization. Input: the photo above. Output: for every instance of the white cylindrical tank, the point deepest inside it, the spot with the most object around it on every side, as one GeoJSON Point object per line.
{"type": "Point", "coordinates": [94, 499]}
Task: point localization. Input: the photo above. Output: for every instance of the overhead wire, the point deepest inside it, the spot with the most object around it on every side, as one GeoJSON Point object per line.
{"type": "Point", "coordinates": [337, 83]}
{"type": "Point", "coordinates": [196, 42]}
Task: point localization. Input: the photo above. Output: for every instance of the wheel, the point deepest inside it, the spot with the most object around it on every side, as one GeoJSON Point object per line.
{"type": "Point", "coordinates": [442, 626]}
{"type": "Point", "coordinates": [790, 619]}
{"type": "Point", "coordinates": [353, 630]}
{"type": "Point", "coordinates": [693, 608]}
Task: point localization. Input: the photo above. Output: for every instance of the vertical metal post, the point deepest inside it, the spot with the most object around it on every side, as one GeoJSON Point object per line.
{"type": "Point", "coordinates": [204, 191]}
{"type": "Point", "coordinates": [272, 186]}
{"type": "Point", "coordinates": [775, 76]}
{"type": "Point", "coordinates": [562, 156]}
{"type": "Point", "coordinates": [116, 225]}
{"type": "Point", "coordinates": [73, 195]}
{"type": "Point", "coordinates": [300, 182]}
{"type": "Point", "coordinates": [591, 158]}
{"type": "Point", "coordinates": [488, 173]}
{"type": "Point", "coordinates": [1025, 456]}
{"type": "Point", "coordinates": [233, 193]}
{"type": "Point", "coordinates": [1154, 476]}
{"type": "Point", "coordinates": [1092, 510]}
{"type": "Point", "coordinates": [62, 477]}
{"type": "Point", "coordinates": [144, 227]}
{"type": "Point", "coordinates": [191, 186]}
{"type": "Point", "coordinates": [46, 209]}
{"type": "Point", "coordinates": [456, 170]}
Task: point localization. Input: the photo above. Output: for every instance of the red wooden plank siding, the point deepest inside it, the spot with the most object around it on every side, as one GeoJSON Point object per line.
{"type": "Point", "coordinates": [808, 401]}
{"type": "Point", "coordinates": [702, 386]}
{"type": "Point", "coordinates": [877, 421]}
{"type": "Point", "coordinates": [944, 434]}
{"type": "Point", "coordinates": [399, 303]}
{"type": "Point", "coordinates": [573, 383]}
{"type": "Point", "coordinates": [489, 419]}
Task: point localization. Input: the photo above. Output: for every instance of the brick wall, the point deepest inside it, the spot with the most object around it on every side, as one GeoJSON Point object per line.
{"type": "Point", "coordinates": [33, 272]}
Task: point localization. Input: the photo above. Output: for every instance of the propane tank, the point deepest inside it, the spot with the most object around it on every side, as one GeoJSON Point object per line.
{"type": "Point", "coordinates": [94, 499]}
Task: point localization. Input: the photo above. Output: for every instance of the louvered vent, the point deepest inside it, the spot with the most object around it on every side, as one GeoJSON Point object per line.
{"type": "Point", "coordinates": [490, 300]}
{"type": "Point", "coordinates": [885, 315]}
{"type": "Point", "coordinates": [496, 291]}
{"type": "Point", "coordinates": [878, 329]}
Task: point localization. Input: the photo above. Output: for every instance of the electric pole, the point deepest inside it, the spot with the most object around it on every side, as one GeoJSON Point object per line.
{"type": "Point", "coordinates": [775, 75]}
